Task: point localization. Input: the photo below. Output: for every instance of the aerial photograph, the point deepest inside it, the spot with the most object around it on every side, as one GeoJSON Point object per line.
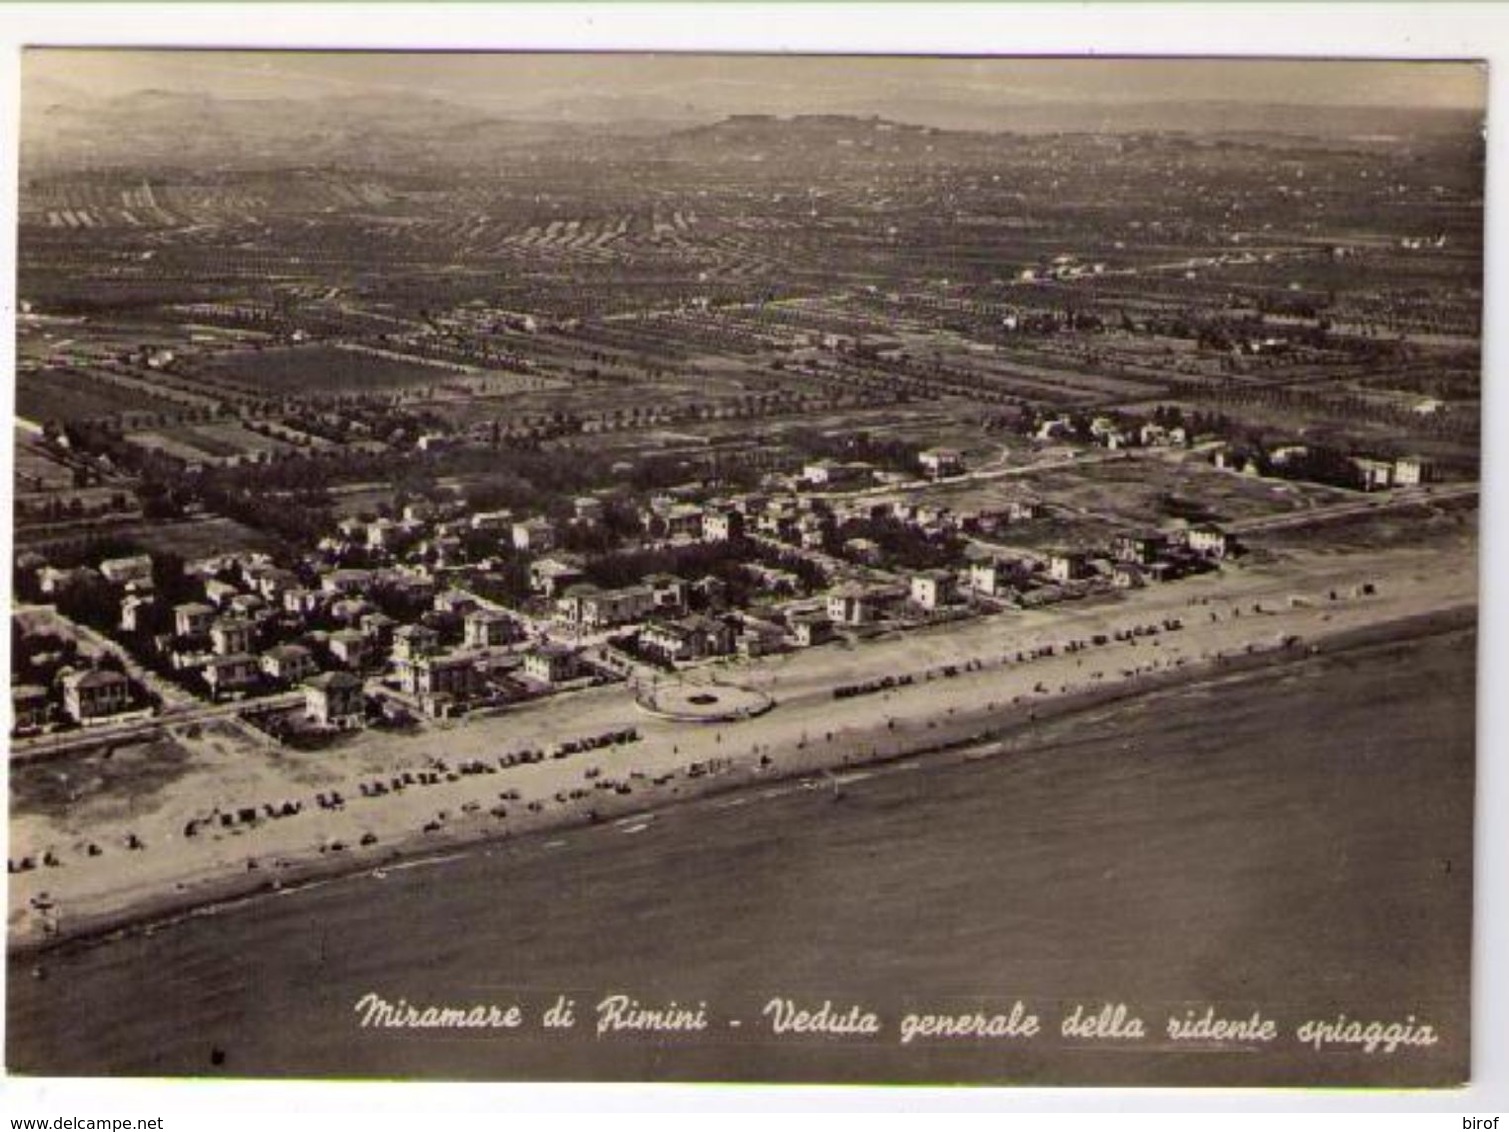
{"type": "Point", "coordinates": [744, 568]}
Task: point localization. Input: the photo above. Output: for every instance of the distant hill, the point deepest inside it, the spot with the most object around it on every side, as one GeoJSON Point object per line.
{"type": "Point", "coordinates": [1216, 119]}
{"type": "Point", "coordinates": [64, 128]}
{"type": "Point", "coordinates": [157, 127]}
{"type": "Point", "coordinates": [1192, 117]}
{"type": "Point", "coordinates": [831, 137]}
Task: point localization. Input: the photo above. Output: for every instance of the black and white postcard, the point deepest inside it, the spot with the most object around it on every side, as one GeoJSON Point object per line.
{"type": "Point", "coordinates": [745, 568]}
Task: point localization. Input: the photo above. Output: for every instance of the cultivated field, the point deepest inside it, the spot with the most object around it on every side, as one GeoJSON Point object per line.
{"type": "Point", "coordinates": [330, 369]}
{"type": "Point", "coordinates": [66, 395]}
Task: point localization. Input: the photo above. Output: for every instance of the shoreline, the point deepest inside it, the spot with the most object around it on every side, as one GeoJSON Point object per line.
{"type": "Point", "coordinates": [954, 735]}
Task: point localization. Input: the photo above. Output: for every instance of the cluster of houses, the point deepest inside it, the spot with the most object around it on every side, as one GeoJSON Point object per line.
{"type": "Point", "coordinates": [81, 687]}
{"type": "Point", "coordinates": [1060, 267]}
{"type": "Point", "coordinates": [409, 631]}
{"type": "Point", "coordinates": [251, 627]}
{"type": "Point", "coordinates": [1113, 434]}
{"type": "Point", "coordinates": [1131, 562]}
{"type": "Point", "coordinates": [1366, 473]}
{"type": "Point", "coordinates": [441, 660]}
{"type": "Point", "coordinates": [838, 475]}
{"type": "Point", "coordinates": [1289, 460]}
{"type": "Point", "coordinates": [86, 695]}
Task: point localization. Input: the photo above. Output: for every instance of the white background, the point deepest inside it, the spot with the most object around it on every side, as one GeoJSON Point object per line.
{"type": "Point", "coordinates": [1437, 31]}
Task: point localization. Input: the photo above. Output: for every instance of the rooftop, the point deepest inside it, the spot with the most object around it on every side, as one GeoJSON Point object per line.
{"type": "Point", "coordinates": [93, 678]}
{"type": "Point", "coordinates": [332, 681]}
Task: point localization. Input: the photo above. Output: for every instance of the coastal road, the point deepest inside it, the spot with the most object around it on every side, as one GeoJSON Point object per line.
{"type": "Point", "coordinates": [1368, 505]}
{"type": "Point", "coordinates": [68, 742]}
{"type": "Point", "coordinates": [1080, 459]}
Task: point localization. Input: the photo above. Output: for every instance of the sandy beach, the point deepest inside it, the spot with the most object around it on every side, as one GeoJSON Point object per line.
{"type": "Point", "coordinates": [454, 784]}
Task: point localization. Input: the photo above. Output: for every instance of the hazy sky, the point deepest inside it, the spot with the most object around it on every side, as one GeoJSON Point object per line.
{"type": "Point", "coordinates": [719, 84]}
